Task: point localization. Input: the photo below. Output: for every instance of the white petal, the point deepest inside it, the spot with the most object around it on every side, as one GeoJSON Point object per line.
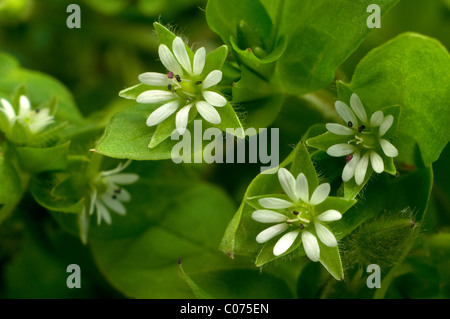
{"type": "Point", "coordinates": [345, 113]}
{"type": "Point", "coordinates": [214, 98]}
{"type": "Point", "coordinates": [342, 149]}
{"type": "Point", "coordinates": [320, 194]}
{"type": "Point", "coordinates": [287, 182]}
{"type": "Point", "coordinates": [155, 96]}
{"type": "Point", "coordinates": [208, 112]}
{"type": "Point", "coordinates": [325, 235]}
{"type": "Point", "coordinates": [93, 199]}
{"type": "Point", "coordinates": [102, 213]}
{"type": "Point", "coordinates": [377, 162]}
{"type": "Point", "coordinates": [349, 168]}
{"type": "Point", "coordinates": [179, 49]}
{"type": "Point", "coordinates": [310, 245]}
{"type": "Point", "coordinates": [271, 232]}
{"type": "Point", "coordinates": [114, 204]}
{"type": "Point", "coordinates": [199, 61]}
{"type": "Point", "coordinates": [376, 118]}
{"type": "Point", "coordinates": [155, 79]}
{"type": "Point", "coordinates": [162, 112]}
{"type": "Point", "coordinates": [8, 108]}
{"type": "Point", "coordinates": [25, 105]}
{"type": "Point", "coordinates": [274, 203]}
{"type": "Point", "coordinates": [181, 119]}
{"type": "Point", "coordinates": [301, 187]}
{"type": "Point", "coordinates": [268, 216]}
{"type": "Point", "coordinates": [168, 60]}
{"type": "Point", "coordinates": [339, 129]}
{"type": "Point", "coordinates": [285, 242]}
{"type": "Point", "coordinates": [358, 108]}
{"type": "Point", "coordinates": [123, 178]}
{"type": "Point", "coordinates": [388, 148]}
{"type": "Point", "coordinates": [212, 79]}
{"type": "Point", "coordinates": [361, 169]}
{"type": "Point", "coordinates": [329, 216]}
{"type": "Point", "coordinates": [386, 125]}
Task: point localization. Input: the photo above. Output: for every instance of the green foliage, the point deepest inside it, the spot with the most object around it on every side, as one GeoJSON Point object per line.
{"type": "Point", "coordinates": [284, 65]}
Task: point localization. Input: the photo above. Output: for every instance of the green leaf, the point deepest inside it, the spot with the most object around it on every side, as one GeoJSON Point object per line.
{"type": "Point", "coordinates": [236, 284]}
{"type": "Point", "coordinates": [242, 230]}
{"type": "Point", "coordinates": [40, 87]}
{"type": "Point", "coordinates": [389, 75]}
{"type": "Point", "coordinates": [36, 160]}
{"type": "Point", "coordinates": [145, 266]}
{"type": "Point", "coordinates": [321, 36]}
{"type": "Point", "coordinates": [10, 185]}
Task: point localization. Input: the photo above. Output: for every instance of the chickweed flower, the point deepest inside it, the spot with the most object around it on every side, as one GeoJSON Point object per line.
{"type": "Point", "coordinates": [36, 120]}
{"type": "Point", "coordinates": [108, 194]}
{"type": "Point", "coordinates": [365, 139]}
{"type": "Point", "coordinates": [184, 87]}
{"type": "Point", "coordinates": [300, 215]}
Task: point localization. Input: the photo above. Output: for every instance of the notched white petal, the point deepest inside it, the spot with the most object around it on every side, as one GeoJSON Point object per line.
{"type": "Point", "coordinates": [339, 129]}
{"type": "Point", "coordinates": [329, 216]}
{"type": "Point", "coordinates": [213, 78]}
{"type": "Point", "coordinates": [214, 98]}
{"type": "Point", "coordinates": [123, 178]}
{"type": "Point", "coordinates": [342, 149]}
{"type": "Point", "coordinates": [271, 232]}
{"type": "Point", "coordinates": [311, 245]}
{"type": "Point", "coordinates": [361, 169]}
{"type": "Point", "coordinates": [285, 242]}
{"type": "Point", "coordinates": [320, 194]}
{"type": "Point", "coordinates": [168, 60]}
{"type": "Point", "coordinates": [114, 204]}
{"type": "Point", "coordinates": [301, 188]}
{"type": "Point", "coordinates": [345, 113]}
{"type": "Point", "coordinates": [325, 235]}
{"type": "Point", "coordinates": [358, 108]}
{"type": "Point", "coordinates": [161, 113]}
{"type": "Point", "coordinates": [179, 49]}
{"type": "Point", "coordinates": [377, 162]}
{"type": "Point", "coordinates": [268, 216]}
{"type": "Point", "coordinates": [208, 112]}
{"type": "Point", "coordinates": [154, 79]}
{"type": "Point", "coordinates": [199, 61]}
{"type": "Point", "coordinates": [155, 96]}
{"type": "Point", "coordinates": [274, 203]}
{"type": "Point", "coordinates": [349, 168]}
{"type": "Point", "coordinates": [181, 119]}
{"type": "Point", "coordinates": [376, 119]}
{"type": "Point", "coordinates": [25, 105]}
{"type": "Point", "coordinates": [8, 109]}
{"type": "Point", "coordinates": [386, 125]}
{"type": "Point", "coordinates": [287, 182]}
{"type": "Point", "coordinates": [388, 149]}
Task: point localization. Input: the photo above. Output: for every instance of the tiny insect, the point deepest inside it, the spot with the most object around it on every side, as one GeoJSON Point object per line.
{"type": "Point", "coordinates": [178, 78]}
{"type": "Point", "coordinates": [301, 226]}
{"type": "Point", "coordinates": [295, 212]}
{"type": "Point", "coordinates": [348, 158]}
{"type": "Point", "coordinates": [169, 87]}
{"type": "Point", "coordinates": [361, 128]}
{"type": "Point", "coordinates": [198, 82]}
{"type": "Point", "coordinates": [350, 124]}
{"type": "Point", "coordinates": [170, 75]}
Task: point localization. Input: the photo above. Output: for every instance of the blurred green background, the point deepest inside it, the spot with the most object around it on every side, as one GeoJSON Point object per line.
{"type": "Point", "coordinates": [115, 44]}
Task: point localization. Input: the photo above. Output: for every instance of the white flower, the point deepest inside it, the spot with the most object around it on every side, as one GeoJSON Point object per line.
{"type": "Point", "coordinates": [36, 120]}
{"type": "Point", "coordinates": [365, 139]}
{"type": "Point", "coordinates": [107, 193]}
{"type": "Point", "coordinates": [185, 87]}
{"type": "Point", "coordinates": [299, 216]}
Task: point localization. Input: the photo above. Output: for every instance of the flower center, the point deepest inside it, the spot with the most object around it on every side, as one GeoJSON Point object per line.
{"type": "Point", "coordinates": [301, 216]}
{"type": "Point", "coordinates": [365, 139]}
